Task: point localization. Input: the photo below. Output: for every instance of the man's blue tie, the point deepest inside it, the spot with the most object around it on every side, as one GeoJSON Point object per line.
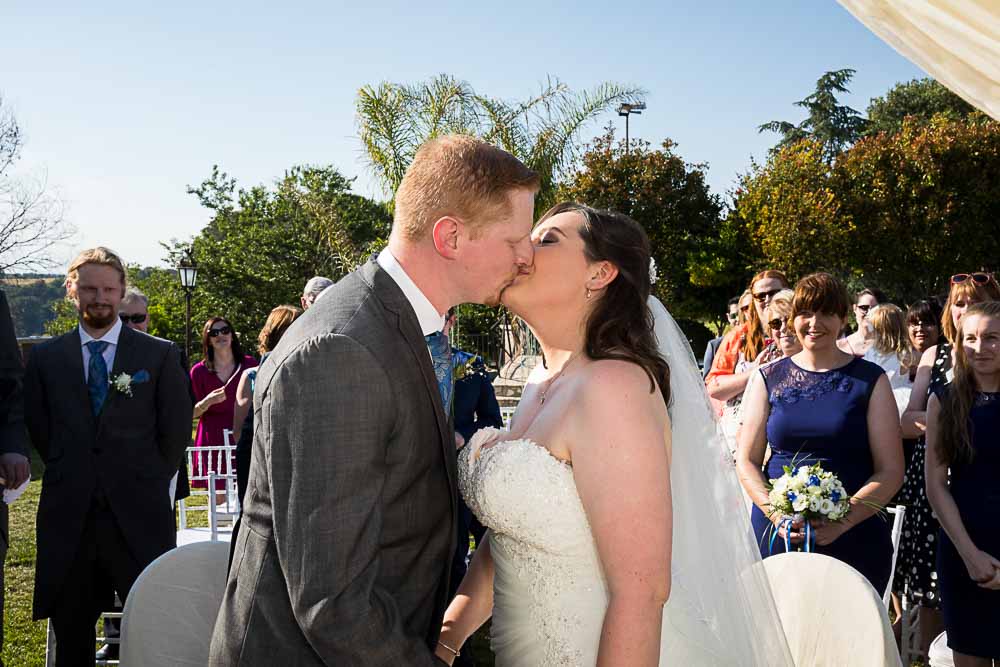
{"type": "Point", "coordinates": [440, 348]}
{"type": "Point", "coordinates": [97, 375]}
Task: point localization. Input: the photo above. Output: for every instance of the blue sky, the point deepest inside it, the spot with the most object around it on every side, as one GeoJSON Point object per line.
{"type": "Point", "coordinates": [124, 104]}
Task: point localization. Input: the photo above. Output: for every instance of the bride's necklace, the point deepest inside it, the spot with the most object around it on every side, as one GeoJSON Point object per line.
{"type": "Point", "coordinates": [548, 385]}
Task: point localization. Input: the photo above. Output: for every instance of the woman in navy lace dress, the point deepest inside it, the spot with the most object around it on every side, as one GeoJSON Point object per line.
{"type": "Point", "coordinates": [963, 434]}
{"type": "Point", "coordinates": [825, 406]}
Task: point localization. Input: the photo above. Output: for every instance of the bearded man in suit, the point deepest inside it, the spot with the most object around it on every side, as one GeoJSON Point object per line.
{"type": "Point", "coordinates": [108, 410]}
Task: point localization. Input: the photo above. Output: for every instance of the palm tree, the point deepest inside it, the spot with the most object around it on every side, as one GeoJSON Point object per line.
{"type": "Point", "coordinates": [543, 131]}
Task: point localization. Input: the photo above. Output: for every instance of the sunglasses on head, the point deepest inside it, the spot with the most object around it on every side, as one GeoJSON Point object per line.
{"type": "Point", "coordinates": [979, 278]}
{"type": "Point", "coordinates": [764, 296]}
{"type": "Point", "coordinates": [221, 331]}
{"type": "Point", "coordinates": [135, 318]}
{"type": "Point", "coordinates": [777, 324]}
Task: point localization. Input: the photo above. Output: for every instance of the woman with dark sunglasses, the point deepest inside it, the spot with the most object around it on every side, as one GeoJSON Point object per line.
{"type": "Point", "coordinates": [859, 342]}
{"type": "Point", "coordinates": [915, 566]}
{"type": "Point", "coordinates": [214, 380]}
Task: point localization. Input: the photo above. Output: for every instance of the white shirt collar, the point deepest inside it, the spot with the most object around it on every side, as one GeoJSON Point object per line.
{"type": "Point", "coordinates": [431, 321]}
{"type": "Point", "coordinates": [111, 337]}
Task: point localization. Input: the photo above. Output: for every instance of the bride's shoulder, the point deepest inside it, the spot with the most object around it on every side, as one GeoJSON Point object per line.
{"type": "Point", "coordinates": [615, 382]}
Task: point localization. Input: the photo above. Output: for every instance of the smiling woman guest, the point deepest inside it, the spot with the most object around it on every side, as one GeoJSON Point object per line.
{"type": "Point", "coordinates": [214, 381]}
{"type": "Point", "coordinates": [735, 361]}
{"type": "Point", "coordinates": [859, 342]}
{"type": "Point", "coordinates": [823, 405]}
{"type": "Point", "coordinates": [963, 422]}
{"type": "Point", "coordinates": [915, 563]}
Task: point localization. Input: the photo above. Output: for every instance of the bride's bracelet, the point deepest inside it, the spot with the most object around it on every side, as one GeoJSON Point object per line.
{"type": "Point", "coordinates": [448, 648]}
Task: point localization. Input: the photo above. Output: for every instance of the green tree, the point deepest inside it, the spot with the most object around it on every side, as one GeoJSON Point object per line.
{"type": "Point", "coordinates": [834, 125]}
{"type": "Point", "coordinates": [394, 119]}
{"type": "Point", "coordinates": [263, 244]}
{"type": "Point", "coordinates": [920, 99]}
{"type": "Point", "coordinates": [669, 198]}
{"type": "Point", "coordinates": [789, 215]}
{"type": "Point", "coordinates": [926, 201]}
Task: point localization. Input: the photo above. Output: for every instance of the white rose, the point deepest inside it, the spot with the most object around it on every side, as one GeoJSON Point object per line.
{"type": "Point", "coordinates": [826, 507]}
{"type": "Point", "coordinates": [801, 504]}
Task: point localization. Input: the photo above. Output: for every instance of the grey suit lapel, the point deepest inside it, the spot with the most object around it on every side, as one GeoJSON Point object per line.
{"type": "Point", "coordinates": [72, 354]}
{"type": "Point", "coordinates": [389, 294]}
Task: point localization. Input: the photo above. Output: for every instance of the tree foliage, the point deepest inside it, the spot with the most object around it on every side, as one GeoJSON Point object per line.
{"type": "Point", "coordinates": [833, 125]}
{"type": "Point", "coordinates": [920, 100]}
{"type": "Point", "coordinates": [901, 211]}
{"type": "Point", "coordinates": [394, 119]}
{"type": "Point", "coordinates": [669, 198]}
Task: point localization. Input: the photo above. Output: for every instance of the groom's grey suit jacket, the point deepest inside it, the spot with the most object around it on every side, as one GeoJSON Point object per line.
{"type": "Point", "coordinates": [349, 521]}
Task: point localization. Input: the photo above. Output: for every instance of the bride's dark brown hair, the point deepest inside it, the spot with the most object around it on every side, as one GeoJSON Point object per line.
{"type": "Point", "coordinates": [620, 324]}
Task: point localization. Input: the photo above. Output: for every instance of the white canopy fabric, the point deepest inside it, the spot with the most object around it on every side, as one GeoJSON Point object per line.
{"type": "Point", "coordinates": [955, 41]}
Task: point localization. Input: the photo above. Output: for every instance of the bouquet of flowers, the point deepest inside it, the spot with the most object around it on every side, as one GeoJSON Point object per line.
{"type": "Point", "coordinates": [809, 493]}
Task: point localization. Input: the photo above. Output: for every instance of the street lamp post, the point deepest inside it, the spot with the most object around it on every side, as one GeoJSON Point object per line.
{"type": "Point", "coordinates": [187, 270]}
{"type": "Point", "coordinates": [626, 109]}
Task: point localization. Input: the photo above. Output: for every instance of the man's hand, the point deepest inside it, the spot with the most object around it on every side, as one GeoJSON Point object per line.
{"type": "Point", "coordinates": [14, 470]}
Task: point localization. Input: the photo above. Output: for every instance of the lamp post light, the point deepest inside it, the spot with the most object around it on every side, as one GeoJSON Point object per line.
{"type": "Point", "coordinates": [626, 109]}
{"type": "Point", "coordinates": [187, 270]}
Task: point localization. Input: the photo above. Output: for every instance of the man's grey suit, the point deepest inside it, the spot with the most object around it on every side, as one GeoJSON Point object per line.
{"type": "Point", "coordinates": [344, 552]}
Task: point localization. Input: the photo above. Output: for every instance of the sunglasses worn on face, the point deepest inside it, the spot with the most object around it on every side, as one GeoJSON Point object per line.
{"type": "Point", "coordinates": [863, 308]}
{"type": "Point", "coordinates": [777, 324]}
{"type": "Point", "coordinates": [745, 308]}
{"type": "Point", "coordinates": [224, 331]}
{"type": "Point", "coordinates": [135, 318]}
{"type": "Point", "coordinates": [979, 278]}
{"type": "Point", "coordinates": [764, 296]}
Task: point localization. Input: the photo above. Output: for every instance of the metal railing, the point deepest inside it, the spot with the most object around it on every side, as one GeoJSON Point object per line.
{"type": "Point", "coordinates": [505, 340]}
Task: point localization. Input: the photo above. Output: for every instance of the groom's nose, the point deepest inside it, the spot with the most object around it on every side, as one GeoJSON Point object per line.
{"type": "Point", "coordinates": [524, 252]}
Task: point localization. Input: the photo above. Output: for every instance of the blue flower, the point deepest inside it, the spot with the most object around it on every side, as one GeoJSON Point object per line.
{"type": "Point", "coordinates": [813, 480]}
{"type": "Point", "coordinates": [835, 496]}
{"type": "Point", "coordinates": [792, 496]}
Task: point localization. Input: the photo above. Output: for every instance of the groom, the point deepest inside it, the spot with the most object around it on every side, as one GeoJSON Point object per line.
{"type": "Point", "coordinates": [349, 524]}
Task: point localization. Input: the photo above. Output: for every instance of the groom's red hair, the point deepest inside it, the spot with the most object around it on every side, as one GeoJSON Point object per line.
{"type": "Point", "coordinates": [461, 176]}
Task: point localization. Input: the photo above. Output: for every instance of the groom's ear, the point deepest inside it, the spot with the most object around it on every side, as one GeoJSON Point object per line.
{"type": "Point", "coordinates": [603, 275]}
{"type": "Point", "coordinates": [445, 233]}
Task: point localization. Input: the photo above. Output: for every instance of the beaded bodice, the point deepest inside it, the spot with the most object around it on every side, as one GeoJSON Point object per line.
{"type": "Point", "coordinates": [548, 581]}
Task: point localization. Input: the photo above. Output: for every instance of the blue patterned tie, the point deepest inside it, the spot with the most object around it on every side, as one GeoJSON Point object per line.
{"type": "Point", "coordinates": [440, 348]}
{"type": "Point", "coordinates": [97, 375]}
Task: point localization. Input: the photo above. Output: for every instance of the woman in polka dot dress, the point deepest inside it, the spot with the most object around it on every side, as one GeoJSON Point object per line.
{"type": "Point", "coordinates": [915, 576]}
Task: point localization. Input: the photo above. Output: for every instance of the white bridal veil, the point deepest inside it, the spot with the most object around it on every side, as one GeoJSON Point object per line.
{"type": "Point", "coordinates": [720, 611]}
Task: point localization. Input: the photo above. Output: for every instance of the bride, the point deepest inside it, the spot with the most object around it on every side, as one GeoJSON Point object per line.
{"type": "Point", "coordinates": [618, 534]}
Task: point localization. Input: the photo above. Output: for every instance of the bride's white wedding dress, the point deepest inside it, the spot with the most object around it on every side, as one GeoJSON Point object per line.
{"type": "Point", "coordinates": [550, 595]}
{"type": "Point", "coordinates": [549, 590]}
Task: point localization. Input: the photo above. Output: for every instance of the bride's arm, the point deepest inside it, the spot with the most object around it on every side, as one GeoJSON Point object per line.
{"type": "Point", "coordinates": [620, 445]}
{"type": "Point", "coordinates": [472, 606]}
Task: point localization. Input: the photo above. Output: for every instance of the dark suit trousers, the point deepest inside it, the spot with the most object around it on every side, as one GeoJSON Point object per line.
{"type": "Point", "coordinates": [103, 566]}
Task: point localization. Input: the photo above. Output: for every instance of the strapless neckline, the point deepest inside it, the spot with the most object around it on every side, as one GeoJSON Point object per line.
{"type": "Point", "coordinates": [527, 442]}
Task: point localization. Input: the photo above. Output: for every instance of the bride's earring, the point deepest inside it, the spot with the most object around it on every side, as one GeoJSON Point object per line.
{"type": "Point", "coordinates": [588, 292]}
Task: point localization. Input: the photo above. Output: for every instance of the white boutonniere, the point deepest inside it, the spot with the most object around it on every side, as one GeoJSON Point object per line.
{"type": "Point", "coordinates": [124, 382]}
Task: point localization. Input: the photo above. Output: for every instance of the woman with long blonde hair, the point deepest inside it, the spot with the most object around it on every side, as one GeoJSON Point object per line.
{"type": "Point", "coordinates": [915, 565]}
{"type": "Point", "coordinates": [963, 478]}
{"type": "Point", "coordinates": [890, 348]}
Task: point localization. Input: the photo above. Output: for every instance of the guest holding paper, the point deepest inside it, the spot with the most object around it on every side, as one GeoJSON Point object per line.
{"type": "Point", "coordinates": [14, 465]}
{"type": "Point", "coordinates": [963, 438]}
{"type": "Point", "coordinates": [214, 380]}
{"type": "Point", "coordinates": [826, 406]}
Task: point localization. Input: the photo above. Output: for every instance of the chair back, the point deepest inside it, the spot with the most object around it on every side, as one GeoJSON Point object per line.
{"type": "Point", "coordinates": [939, 655]}
{"type": "Point", "coordinates": [170, 611]}
{"type": "Point", "coordinates": [830, 613]}
{"type": "Point", "coordinates": [898, 513]}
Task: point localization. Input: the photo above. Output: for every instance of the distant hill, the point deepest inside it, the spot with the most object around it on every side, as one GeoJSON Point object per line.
{"type": "Point", "coordinates": [31, 298]}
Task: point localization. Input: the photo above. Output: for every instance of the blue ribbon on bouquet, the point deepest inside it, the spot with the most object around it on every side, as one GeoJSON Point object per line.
{"type": "Point", "coordinates": [786, 523]}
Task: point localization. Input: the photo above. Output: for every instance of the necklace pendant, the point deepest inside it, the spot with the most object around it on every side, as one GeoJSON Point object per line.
{"type": "Point", "coordinates": [541, 401]}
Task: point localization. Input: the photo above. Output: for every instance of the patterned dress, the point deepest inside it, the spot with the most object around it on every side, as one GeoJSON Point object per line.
{"type": "Point", "coordinates": [915, 566]}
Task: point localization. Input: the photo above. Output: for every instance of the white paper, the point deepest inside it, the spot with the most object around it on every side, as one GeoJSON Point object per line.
{"type": "Point", "coordinates": [10, 495]}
